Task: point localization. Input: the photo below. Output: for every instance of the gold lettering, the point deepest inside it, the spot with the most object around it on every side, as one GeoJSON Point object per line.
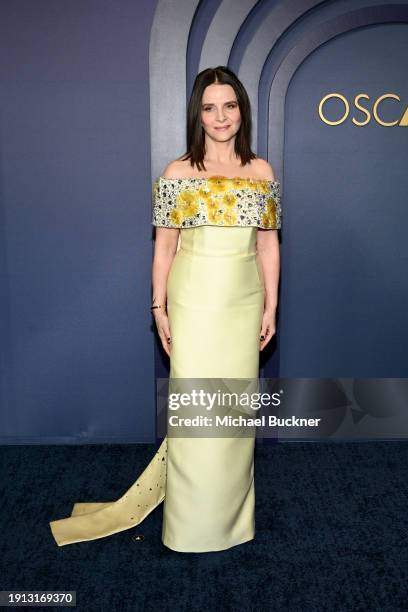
{"type": "Point", "coordinates": [376, 105]}
{"type": "Point", "coordinates": [364, 110]}
{"type": "Point", "coordinates": [404, 119]}
{"type": "Point", "coordinates": [346, 112]}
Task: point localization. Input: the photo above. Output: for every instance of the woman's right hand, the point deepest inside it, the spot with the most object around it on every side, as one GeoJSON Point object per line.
{"type": "Point", "coordinates": [163, 328]}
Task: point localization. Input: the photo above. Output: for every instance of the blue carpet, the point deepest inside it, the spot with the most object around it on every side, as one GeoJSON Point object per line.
{"type": "Point", "coordinates": [331, 532]}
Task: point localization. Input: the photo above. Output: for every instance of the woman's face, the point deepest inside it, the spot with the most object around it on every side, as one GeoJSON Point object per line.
{"type": "Point", "coordinates": [220, 115]}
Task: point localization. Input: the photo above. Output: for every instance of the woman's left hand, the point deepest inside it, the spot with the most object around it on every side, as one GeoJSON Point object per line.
{"type": "Point", "coordinates": [268, 328]}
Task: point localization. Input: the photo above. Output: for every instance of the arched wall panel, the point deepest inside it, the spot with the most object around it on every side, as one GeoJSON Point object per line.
{"type": "Point", "coordinates": [265, 43]}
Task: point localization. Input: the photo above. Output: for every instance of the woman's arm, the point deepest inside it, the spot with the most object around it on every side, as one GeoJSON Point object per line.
{"type": "Point", "coordinates": [267, 246]}
{"type": "Point", "coordinates": [165, 248]}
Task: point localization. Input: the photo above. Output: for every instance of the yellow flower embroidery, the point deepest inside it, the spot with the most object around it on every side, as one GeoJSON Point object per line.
{"type": "Point", "coordinates": [187, 203]}
{"type": "Point", "coordinates": [186, 196]}
{"type": "Point", "coordinates": [203, 194]}
{"type": "Point", "coordinates": [214, 216]}
{"type": "Point", "coordinates": [230, 217]}
{"type": "Point", "coordinates": [191, 210]}
{"type": "Point", "coordinates": [239, 183]}
{"type": "Point", "coordinates": [251, 185]}
{"type": "Point", "coordinates": [217, 200]}
{"type": "Point", "coordinates": [263, 186]}
{"type": "Point", "coordinates": [219, 184]}
{"type": "Point", "coordinates": [269, 216]}
{"type": "Point", "coordinates": [229, 200]}
{"type": "Point", "coordinates": [212, 205]}
{"type": "Point", "coordinates": [270, 204]}
{"type": "Point", "coordinates": [176, 216]}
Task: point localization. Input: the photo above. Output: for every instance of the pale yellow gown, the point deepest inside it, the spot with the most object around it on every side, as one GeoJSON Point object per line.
{"type": "Point", "coordinates": [215, 298]}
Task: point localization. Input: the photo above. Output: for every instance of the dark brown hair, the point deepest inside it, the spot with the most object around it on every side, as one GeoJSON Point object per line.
{"type": "Point", "coordinates": [195, 132]}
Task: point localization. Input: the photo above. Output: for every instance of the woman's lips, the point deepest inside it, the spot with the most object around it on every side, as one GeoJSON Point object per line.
{"type": "Point", "coordinates": [225, 127]}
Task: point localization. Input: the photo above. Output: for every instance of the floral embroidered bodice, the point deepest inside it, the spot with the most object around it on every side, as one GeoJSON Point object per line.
{"type": "Point", "coordinates": [217, 200]}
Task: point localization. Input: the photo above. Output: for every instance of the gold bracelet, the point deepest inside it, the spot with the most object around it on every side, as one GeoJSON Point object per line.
{"type": "Point", "coordinates": [158, 306]}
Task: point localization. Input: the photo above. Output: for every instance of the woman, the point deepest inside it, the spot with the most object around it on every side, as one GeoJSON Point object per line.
{"type": "Point", "coordinates": [215, 281]}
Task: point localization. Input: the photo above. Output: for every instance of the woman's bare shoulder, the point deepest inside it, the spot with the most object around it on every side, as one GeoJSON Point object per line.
{"type": "Point", "coordinates": [263, 169]}
{"type": "Point", "coordinates": [177, 169]}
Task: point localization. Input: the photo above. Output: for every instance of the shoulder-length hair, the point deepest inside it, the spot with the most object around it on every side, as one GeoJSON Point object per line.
{"type": "Point", "coordinates": [195, 132]}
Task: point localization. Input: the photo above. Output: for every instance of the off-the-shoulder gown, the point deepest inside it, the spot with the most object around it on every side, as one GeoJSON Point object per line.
{"type": "Point", "coordinates": [215, 299]}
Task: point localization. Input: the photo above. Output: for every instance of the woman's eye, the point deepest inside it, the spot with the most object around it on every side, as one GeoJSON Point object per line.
{"type": "Point", "coordinates": [208, 108]}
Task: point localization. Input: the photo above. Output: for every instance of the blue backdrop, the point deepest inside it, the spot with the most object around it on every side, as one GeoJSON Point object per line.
{"type": "Point", "coordinates": [79, 355]}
